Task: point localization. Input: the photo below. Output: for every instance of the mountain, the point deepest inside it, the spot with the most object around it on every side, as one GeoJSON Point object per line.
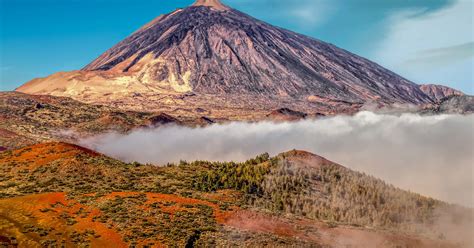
{"type": "Point", "coordinates": [209, 53]}
{"type": "Point", "coordinates": [58, 194]}
{"type": "Point", "coordinates": [439, 92]}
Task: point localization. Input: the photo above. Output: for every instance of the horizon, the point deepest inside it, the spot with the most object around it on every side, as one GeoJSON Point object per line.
{"type": "Point", "coordinates": [382, 32]}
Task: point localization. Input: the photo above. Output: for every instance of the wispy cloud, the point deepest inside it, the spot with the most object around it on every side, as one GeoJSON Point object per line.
{"type": "Point", "coordinates": [444, 55]}
{"type": "Point", "coordinates": [432, 155]}
{"type": "Point", "coordinates": [432, 47]}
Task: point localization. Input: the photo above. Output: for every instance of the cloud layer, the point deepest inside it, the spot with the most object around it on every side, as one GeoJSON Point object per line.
{"type": "Point", "coordinates": [432, 155]}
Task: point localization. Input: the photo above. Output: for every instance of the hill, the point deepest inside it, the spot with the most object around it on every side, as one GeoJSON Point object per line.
{"type": "Point", "coordinates": [62, 194]}
{"type": "Point", "coordinates": [28, 119]}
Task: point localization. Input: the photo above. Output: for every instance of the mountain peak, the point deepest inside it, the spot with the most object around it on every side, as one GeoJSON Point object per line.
{"type": "Point", "coordinates": [216, 4]}
{"type": "Point", "coordinates": [217, 54]}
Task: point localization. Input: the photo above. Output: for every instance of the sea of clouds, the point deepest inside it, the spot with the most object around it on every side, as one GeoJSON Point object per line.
{"type": "Point", "coordinates": [431, 155]}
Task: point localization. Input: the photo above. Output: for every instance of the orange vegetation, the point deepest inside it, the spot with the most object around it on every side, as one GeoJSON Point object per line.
{"type": "Point", "coordinates": [54, 210]}
{"type": "Point", "coordinates": [219, 214]}
{"type": "Point", "coordinates": [45, 210]}
{"type": "Point", "coordinates": [45, 153]}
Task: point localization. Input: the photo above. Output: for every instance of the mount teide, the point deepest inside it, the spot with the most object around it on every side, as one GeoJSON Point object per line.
{"type": "Point", "coordinates": [211, 58]}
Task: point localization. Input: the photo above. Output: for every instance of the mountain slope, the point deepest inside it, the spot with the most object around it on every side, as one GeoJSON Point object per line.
{"type": "Point", "coordinates": [209, 49]}
{"type": "Point", "coordinates": [439, 92]}
{"type": "Point", "coordinates": [463, 104]}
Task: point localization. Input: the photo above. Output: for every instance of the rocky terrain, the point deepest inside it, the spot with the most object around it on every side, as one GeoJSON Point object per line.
{"type": "Point", "coordinates": [455, 104]}
{"type": "Point", "coordinates": [439, 92]}
{"type": "Point", "coordinates": [29, 119]}
{"type": "Point", "coordinates": [57, 194]}
{"type": "Point", "coordinates": [210, 56]}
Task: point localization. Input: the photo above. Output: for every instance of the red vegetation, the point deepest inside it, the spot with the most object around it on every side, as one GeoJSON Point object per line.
{"type": "Point", "coordinates": [179, 201]}
{"type": "Point", "coordinates": [45, 153]}
{"type": "Point", "coordinates": [46, 210]}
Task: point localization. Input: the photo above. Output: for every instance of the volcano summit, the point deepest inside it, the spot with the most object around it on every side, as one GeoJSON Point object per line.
{"type": "Point", "coordinates": [215, 58]}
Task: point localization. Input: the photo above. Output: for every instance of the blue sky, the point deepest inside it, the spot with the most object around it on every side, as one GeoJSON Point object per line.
{"type": "Point", "coordinates": [426, 41]}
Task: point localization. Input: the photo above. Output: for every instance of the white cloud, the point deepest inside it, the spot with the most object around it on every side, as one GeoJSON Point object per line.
{"type": "Point", "coordinates": [432, 155]}
{"type": "Point", "coordinates": [414, 44]}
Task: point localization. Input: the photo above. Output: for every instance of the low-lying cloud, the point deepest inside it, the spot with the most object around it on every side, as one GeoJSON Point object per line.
{"type": "Point", "coordinates": [432, 155]}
